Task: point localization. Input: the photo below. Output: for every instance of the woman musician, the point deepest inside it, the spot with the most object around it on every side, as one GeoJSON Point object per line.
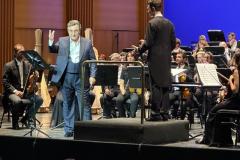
{"type": "Point", "coordinates": [213, 128]}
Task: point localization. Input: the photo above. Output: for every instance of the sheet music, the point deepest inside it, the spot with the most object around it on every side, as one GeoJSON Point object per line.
{"type": "Point", "coordinates": [176, 71]}
{"type": "Point", "coordinates": [208, 75]}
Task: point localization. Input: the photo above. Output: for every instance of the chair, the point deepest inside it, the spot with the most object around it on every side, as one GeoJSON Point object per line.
{"type": "Point", "coordinates": [234, 116]}
{"type": "Point", "coordinates": [6, 109]}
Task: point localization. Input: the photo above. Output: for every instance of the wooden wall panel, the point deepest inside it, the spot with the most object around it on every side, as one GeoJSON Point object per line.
{"type": "Point", "coordinates": [115, 15]}
{"type": "Point", "coordinates": [108, 42]}
{"type": "Point", "coordinates": [115, 24]}
{"type": "Point", "coordinates": [81, 10]}
{"type": "Point", "coordinates": [40, 14]}
{"type": "Point", "coordinates": [103, 41]}
{"type": "Point", "coordinates": [6, 33]}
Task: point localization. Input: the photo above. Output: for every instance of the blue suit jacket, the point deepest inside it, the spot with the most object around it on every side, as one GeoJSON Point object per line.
{"type": "Point", "coordinates": [62, 47]}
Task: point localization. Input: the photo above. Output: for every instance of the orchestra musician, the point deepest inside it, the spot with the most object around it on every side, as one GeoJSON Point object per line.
{"type": "Point", "coordinates": [159, 41]}
{"type": "Point", "coordinates": [177, 93]}
{"type": "Point", "coordinates": [213, 129]}
{"type": "Point", "coordinates": [110, 93]}
{"type": "Point", "coordinates": [232, 43]}
{"type": "Point", "coordinates": [15, 82]}
{"type": "Point", "coordinates": [126, 94]}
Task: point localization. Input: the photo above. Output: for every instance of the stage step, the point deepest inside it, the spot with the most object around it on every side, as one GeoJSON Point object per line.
{"type": "Point", "coordinates": [129, 130]}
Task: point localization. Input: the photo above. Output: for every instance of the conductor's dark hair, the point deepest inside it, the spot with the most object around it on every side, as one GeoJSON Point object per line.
{"type": "Point", "coordinates": [156, 4]}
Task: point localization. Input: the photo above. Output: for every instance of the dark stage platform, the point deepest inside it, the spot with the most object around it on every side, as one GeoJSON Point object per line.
{"type": "Point", "coordinates": [130, 130]}
{"type": "Point", "coordinates": [14, 146]}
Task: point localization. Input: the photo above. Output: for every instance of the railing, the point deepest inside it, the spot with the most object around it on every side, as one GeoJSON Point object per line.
{"type": "Point", "coordinates": [139, 63]}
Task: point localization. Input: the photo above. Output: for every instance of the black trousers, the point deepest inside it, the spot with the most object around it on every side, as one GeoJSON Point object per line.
{"type": "Point", "coordinates": [160, 99]}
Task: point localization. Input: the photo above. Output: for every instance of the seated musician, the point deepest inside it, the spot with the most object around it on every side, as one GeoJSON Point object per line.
{"type": "Point", "coordinates": [110, 93]}
{"type": "Point", "coordinates": [125, 94]}
{"type": "Point", "coordinates": [15, 77]}
{"type": "Point", "coordinates": [202, 43]}
{"type": "Point", "coordinates": [182, 77]}
{"type": "Point", "coordinates": [176, 49]}
{"type": "Point", "coordinates": [232, 43]}
{"type": "Point", "coordinates": [215, 133]}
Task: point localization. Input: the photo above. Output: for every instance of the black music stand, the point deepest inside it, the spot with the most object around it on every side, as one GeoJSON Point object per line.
{"type": "Point", "coordinates": [37, 64]}
{"type": "Point", "coordinates": [186, 48]}
{"type": "Point", "coordinates": [134, 76]}
{"type": "Point", "coordinates": [216, 35]}
{"type": "Point", "coordinates": [226, 72]}
{"type": "Point", "coordinates": [191, 61]}
{"type": "Point", "coordinates": [218, 56]}
{"type": "Point", "coordinates": [135, 80]}
{"type": "Point", "coordinates": [127, 49]}
{"type": "Point", "coordinates": [107, 75]}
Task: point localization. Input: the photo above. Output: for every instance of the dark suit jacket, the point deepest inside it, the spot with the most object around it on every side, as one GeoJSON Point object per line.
{"type": "Point", "coordinates": [62, 47]}
{"type": "Point", "coordinates": [159, 41]}
{"type": "Point", "coordinates": [11, 76]}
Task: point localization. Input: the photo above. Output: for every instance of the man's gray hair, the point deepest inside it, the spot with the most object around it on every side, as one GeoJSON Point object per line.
{"type": "Point", "coordinates": [73, 23]}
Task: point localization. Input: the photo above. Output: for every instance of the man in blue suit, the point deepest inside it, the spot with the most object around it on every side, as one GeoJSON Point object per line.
{"type": "Point", "coordinates": [72, 51]}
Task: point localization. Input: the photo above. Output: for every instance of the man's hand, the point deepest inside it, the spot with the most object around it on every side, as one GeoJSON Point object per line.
{"type": "Point", "coordinates": [51, 35]}
{"type": "Point", "coordinates": [92, 81]}
{"type": "Point", "coordinates": [135, 51]}
{"type": "Point", "coordinates": [19, 93]}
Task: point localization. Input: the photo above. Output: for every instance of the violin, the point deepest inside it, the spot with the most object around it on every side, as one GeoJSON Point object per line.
{"type": "Point", "coordinates": [225, 91]}
{"type": "Point", "coordinates": [32, 86]}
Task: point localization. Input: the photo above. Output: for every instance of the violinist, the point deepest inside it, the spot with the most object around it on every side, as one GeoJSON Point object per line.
{"type": "Point", "coordinates": [213, 128]}
{"type": "Point", "coordinates": [15, 77]}
{"type": "Point", "coordinates": [177, 93]}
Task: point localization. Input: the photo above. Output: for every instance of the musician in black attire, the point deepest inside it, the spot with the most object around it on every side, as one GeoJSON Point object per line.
{"type": "Point", "coordinates": [178, 94]}
{"type": "Point", "coordinates": [159, 41]}
{"type": "Point", "coordinates": [15, 76]}
{"type": "Point", "coordinates": [215, 133]}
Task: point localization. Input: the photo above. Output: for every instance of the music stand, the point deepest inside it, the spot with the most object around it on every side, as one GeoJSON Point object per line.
{"type": "Point", "coordinates": [215, 50]}
{"type": "Point", "coordinates": [191, 61]}
{"type": "Point", "coordinates": [37, 64]}
{"type": "Point", "coordinates": [186, 48]}
{"type": "Point", "coordinates": [127, 49]}
{"type": "Point", "coordinates": [216, 35]}
{"type": "Point", "coordinates": [107, 75]}
{"type": "Point", "coordinates": [218, 56]}
{"type": "Point", "coordinates": [134, 76]}
{"type": "Point", "coordinates": [226, 72]}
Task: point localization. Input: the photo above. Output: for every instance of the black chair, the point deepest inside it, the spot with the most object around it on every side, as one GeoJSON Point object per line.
{"type": "Point", "coordinates": [234, 120]}
{"type": "Point", "coordinates": [6, 109]}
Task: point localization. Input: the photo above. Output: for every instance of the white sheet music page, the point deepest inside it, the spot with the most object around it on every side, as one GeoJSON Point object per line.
{"type": "Point", "coordinates": [176, 71]}
{"type": "Point", "coordinates": [208, 75]}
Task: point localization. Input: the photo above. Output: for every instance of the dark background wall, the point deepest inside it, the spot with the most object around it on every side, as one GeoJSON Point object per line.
{"type": "Point", "coordinates": [192, 18]}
